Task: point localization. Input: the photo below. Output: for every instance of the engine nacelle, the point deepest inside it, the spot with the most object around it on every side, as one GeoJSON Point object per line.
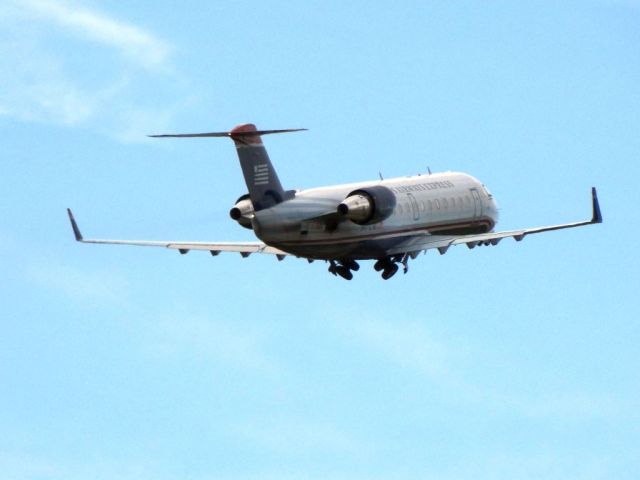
{"type": "Point", "coordinates": [242, 212]}
{"type": "Point", "coordinates": [368, 205]}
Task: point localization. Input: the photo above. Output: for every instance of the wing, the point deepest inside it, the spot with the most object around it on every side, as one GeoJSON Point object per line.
{"type": "Point", "coordinates": [243, 248]}
{"type": "Point", "coordinates": [443, 242]}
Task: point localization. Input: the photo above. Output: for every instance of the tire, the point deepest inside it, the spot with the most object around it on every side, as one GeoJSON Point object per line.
{"type": "Point", "coordinates": [390, 271]}
{"type": "Point", "coordinates": [344, 272]}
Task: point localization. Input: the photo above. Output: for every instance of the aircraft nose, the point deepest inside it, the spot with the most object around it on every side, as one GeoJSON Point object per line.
{"type": "Point", "coordinates": [494, 207]}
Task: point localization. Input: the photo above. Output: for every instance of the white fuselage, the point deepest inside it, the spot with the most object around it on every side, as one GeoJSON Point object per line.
{"type": "Point", "coordinates": [441, 204]}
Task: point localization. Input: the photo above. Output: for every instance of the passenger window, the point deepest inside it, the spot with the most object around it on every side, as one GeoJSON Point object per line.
{"type": "Point", "coordinates": [422, 207]}
{"type": "Point", "coordinates": [445, 204]}
{"type": "Point", "coordinates": [437, 204]}
{"type": "Point", "coordinates": [430, 205]}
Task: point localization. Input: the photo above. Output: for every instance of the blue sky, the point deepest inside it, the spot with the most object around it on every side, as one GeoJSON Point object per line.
{"type": "Point", "coordinates": [515, 362]}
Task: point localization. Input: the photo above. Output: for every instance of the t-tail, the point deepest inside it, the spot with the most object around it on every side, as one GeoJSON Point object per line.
{"type": "Point", "coordinates": [265, 189]}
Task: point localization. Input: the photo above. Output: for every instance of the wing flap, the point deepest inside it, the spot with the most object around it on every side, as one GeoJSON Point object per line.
{"type": "Point", "coordinates": [239, 247]}
{"type": "Point", "coordinates": [244, 248]}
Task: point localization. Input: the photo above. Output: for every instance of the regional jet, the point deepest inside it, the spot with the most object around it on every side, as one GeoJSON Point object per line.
{"type": "Point", "coordinates": [388, 221]}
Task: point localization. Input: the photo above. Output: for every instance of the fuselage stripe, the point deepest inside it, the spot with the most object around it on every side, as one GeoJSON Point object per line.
{"type": "Point", "coordinates": [430, 230]}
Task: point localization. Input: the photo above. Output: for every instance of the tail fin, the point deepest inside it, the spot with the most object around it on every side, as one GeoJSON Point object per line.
{"type": "Point", "coordinates": [261, 178]}
{"type": "Point", "coordinates": [265, 189]}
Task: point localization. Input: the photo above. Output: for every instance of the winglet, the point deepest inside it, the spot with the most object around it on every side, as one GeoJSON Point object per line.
{"type": "Point", "coordinates": [597, 215]}
{"type": "Point", "coordinates": [74, 225]}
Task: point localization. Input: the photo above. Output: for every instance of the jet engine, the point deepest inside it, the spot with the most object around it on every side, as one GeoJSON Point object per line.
{"type": "Point", "coordinates": [242, 211]}
{"type": "Point", "coordinates": [368, 205]}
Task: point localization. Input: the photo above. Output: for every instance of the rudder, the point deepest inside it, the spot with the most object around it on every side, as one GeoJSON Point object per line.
{"type": "Point", "coordinates": [265, 189]}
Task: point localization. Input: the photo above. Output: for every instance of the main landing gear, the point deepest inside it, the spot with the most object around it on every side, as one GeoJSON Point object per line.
{"type": "Point", "coordinates": [389, 266]}
{"type": "Point", "coordinates": [344, 268]}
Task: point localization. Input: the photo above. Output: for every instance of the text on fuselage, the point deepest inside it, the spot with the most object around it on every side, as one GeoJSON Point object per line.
{"type": "Point", "coordinates": [420, 187]}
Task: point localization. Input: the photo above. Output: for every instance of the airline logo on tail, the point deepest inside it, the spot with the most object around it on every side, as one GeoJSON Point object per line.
{"type": "Point", "coordinates": [261, 174]}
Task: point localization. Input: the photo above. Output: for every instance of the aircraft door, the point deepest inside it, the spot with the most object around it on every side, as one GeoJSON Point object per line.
{"type": "Point", "coordinates": [477, 203]}
{"type": "Point", "coordinates": [414, 207]}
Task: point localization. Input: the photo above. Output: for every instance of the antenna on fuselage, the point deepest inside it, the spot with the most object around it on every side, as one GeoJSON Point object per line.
{"type": "Point", "coordinates": [380, 175]}
{"type": "Point", "coordinates": [429, 170]}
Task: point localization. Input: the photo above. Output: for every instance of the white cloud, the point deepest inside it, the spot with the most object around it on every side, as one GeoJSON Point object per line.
{"type": "Point", "coordinates": [79, 285]}
{"type": "Point", "coordinates": [181, 334]}
{"type": "Point", "coordinates": [292, 436]}
{"type": "Point", "coordinates": [405, 343]}
{"type": "Point", "coordinates": [567, 405]}
{"type": "Point", "coordinates": [631, 4]}
{"type": "Point", "coordinates": [410, 346]}
{"type": "Point", "coordinates": [135, 43]}
{"type": "Point", "coordinates": [64, 64]}
{"type": "Point", "coordinates": [36, 88]}
{"type": "Point", "coordinates": [136, 120]}
{"type": "Point", "coordinates": [7, 241]}
{"type": "Point", "coordinates": [25, 466]}
{"type": "Point", "coordinates": [19, 467]}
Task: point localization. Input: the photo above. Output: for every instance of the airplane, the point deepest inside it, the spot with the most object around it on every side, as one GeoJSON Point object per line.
{"type": "Point", "coordinates": [388, 220]}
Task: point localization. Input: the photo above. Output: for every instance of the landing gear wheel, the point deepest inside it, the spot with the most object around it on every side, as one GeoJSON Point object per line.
{"type": "Point", "coordinates": [351, 265]}
{"type": "Point", "coordinates": [381, 264]}
{"type": "Point", "coordinates": [344, 272]}
{"type": "Point", "coordinates": [390, 271]}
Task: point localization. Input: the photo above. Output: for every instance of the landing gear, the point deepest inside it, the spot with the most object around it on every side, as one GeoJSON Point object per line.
{"type": "Point", "coordinates": [390, 265]}
{"type": "Point", "coordinates": [390, 271]}
{"type": "Point", "coordinates": [344, 268]}
{"type": "Point", "coordinates": [344, 272]}
{"type": "Point", "coordinates": [333, 268]}
{"type": "Point", "coordinates": [351, 265]}
{"type": "Point", "coordinates": [405, 263]}
{"type": "Point", "coordinates": [387, 265]}
{"type": "Point", "coordinates": [381, 264]}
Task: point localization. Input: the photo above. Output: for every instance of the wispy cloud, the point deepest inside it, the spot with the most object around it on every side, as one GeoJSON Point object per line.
{"type": "Point", "coordinates": [19, 466]}
{"type": "Point", "coordinates": [7, 242]}
{"type": "Point", "coordinates": [569, 405]}
{"type": "Point", "coordinates": [407, 344]}
{"type": "Point", "coordinates": [62, 63]}
{"type": "Point", "coordinates": [133, 42]}
{"type": "Point", "coordinates": [184, 334]}
{"type": "Point", "coordinates": [25, 466]}
{"type": "Point", "coordinates": [79, 285]}
{"type": "Point", "coordinates": [292, 436]}
{"type": "Point", "coordinates": [410, 346]}
{"type": "Point", "coordinates": [36, 88]}
{"type": "Point", "coordinates": [630, 4]}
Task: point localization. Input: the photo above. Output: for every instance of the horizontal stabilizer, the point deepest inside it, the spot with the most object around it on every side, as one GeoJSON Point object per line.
{"type": "Point", "coordinates": [228, 134]}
